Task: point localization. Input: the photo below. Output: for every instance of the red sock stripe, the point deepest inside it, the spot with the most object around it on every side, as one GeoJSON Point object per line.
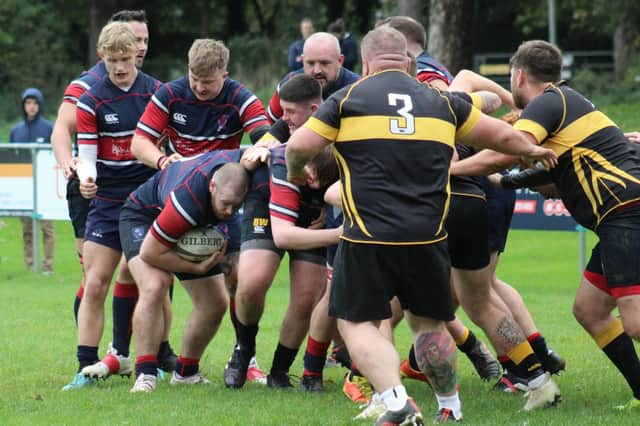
{"type": "Point", "coordinates": [188, 361]}
{"type": "Point", "coordinates": [311, 373]}
{"type": "Point", "coordinates": [127, 291]}
{"type": "Point", "coordinates": [316, 348]}
{"type": "Point", "coordinates": [147, 358]}
{"type": "Point", "coordinates": [533, 337]}
{"type": "Point", "coordinates": [80, 291]}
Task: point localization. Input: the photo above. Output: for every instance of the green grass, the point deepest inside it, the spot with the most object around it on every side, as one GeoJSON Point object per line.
{"type": "Point", "coordinates": [38, 340]}
{"type": "Point", "coordinates": [37, 344]}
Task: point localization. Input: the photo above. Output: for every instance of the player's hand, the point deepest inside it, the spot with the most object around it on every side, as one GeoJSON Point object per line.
{"type": "Point", "coordinates": [539, 157]}
{"type": "Point", "coordinates": [170, 160]}
{"type": "Point", "coordinates": [205, 266]}
{"type": "Point", "coordinates": [257, 153]}
{"type": "Point", "coordinates": [633, 137]}
{"type": "Point", "coordinates": [69, 167]}
{"type": "Point", "coordinates": [321, 220]}
{"type": "Point", "coordinates": [268, 143]}
{"type": "Point", "coordinates": [495, 180]}
{"type": "Point", "coordinates": [88, 188]}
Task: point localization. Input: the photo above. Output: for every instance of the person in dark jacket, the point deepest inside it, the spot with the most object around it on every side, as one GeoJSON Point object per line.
{"type": "Point", "coordinates": [35, 128]}
{"type": "Point", "coordinates": [348, 44]}
{"type": "Point", "coordinates": [294, 57]}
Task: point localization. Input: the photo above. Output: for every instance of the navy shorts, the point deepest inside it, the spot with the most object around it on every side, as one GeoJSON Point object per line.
{"type": "Point", "coordinates": [500, 204]}
{"type": "Point", "coordinates": [367, 276]}
{"type": "Point", "coordinates": [234, 232]}
{"type": "Point", "coordinates": [133, 228]}
{"type": "Point", "coordinates": [468, 229]}
{"type": "Point", "coordinates": [613, 266]}
{"type": "Point", "coordinates": [102, 223]}
{"type": "Point", "coordinates": [334, 219]}
{"type": "Point", "coordinates": [78, 207]}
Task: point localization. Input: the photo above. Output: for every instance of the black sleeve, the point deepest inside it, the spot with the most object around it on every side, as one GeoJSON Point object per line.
{"type": "Point", "coordinates": [257, 133]}
{"type": "Point", "coordinates": [526, 179]}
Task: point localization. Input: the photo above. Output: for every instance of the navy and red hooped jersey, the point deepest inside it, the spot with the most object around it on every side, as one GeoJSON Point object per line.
{"type": "Point", "coordinates": [107, 118]}
{"type": "Point", "coordinates": [598, 169]}
{"type": "Point", "coordinates": [83, 82]}
{"type": "Point", "coordinates": [298, 204]}
{"type": "Point", "coordinates": [195, 126]}
{"type": "Point", "coordinates": [394, 138]}
{"type": "Point", "coordinates": [178, 197]}
{"type": "Point", "coordinates": [428, 69]}
{"type": "Point", "coordinates": [345, 77]}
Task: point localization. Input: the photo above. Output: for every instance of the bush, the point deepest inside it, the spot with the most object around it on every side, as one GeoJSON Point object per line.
{"type": "Point", "coordinates": [258, 62]}
{"type": "Point", "coordinates": [600, 87]}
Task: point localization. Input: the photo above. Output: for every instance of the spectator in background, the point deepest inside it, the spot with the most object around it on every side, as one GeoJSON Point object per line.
{"type": "Point", "coordinates": [35, 128]}
{"type": "Point", "coordinates": [295, 49]}
{"type": "Point", "coordinates": [348, 44]}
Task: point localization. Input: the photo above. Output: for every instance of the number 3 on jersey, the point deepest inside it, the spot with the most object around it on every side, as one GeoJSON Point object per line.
{"type": "Point", "coordinates": [406, 125]}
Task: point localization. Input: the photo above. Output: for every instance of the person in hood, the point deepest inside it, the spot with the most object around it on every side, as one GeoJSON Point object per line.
{"type": "Point", "coordinates": [35, 128]}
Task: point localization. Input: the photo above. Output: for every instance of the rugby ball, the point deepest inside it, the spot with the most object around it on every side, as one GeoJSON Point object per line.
{"type": "Point", "coordinates": [199, 243]}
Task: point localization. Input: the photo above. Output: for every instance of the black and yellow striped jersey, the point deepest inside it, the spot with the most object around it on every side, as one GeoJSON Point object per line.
{"type": "Point", "coordinates": [394, 139]}
{"type": "Point", "coordinates": [598, 169]}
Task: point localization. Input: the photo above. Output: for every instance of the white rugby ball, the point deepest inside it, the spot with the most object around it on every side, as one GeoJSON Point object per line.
{"type": "Point", "coordinates": [199, 243]}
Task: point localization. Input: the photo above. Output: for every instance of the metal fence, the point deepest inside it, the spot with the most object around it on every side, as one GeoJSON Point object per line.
{"type": "Point", "coordinates": [496, 65]}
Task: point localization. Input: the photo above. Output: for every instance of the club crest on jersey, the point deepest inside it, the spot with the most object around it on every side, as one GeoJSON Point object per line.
{"type": "Point", "coordinates": [180, 118]}
{"type": "Point", "coordinates": [111, 118]}
{"type": "Point", "coordinates": [222, 121]}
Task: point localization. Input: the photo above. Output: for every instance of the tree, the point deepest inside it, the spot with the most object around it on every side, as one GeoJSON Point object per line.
{"type": "Point", "coordinates": [450, 32]}
{"type": "Point", "coordinates": [410, 8]}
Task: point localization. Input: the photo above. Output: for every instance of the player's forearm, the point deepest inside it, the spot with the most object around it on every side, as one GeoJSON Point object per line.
{"type": "Point", "coordinates": [146, 151]}
{"type": "Point", "coordinates": [162, 257]}
{"type": "Point", "coordinates": [62, 134]}
{"type": "Point", "coordinates": [483, 163]}
{"type": "Point", "coordinates": [526, 179]}
{"type": "Point", "coordinates": [469, 81]}
{"type": "Point", "coordinates": [297, 238]}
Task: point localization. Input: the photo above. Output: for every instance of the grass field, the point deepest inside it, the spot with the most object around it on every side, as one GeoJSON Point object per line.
{"type": "Point", "coordinates": [37, 345]}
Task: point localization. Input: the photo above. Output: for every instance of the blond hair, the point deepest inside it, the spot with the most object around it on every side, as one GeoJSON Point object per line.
{"type": "Point", "coordinates": [207, 56]}
{"type": "Point", "coordinates": [116, 37]}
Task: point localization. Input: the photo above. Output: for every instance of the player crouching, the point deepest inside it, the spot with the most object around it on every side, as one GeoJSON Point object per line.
{"type": "Point", "coordinates": [203, 190]}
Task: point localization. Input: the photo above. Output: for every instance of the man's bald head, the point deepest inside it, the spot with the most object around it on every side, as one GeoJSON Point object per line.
{"type": "Point", "coordinates": [321, 58]}
{"type": "Point", "coordinates": [384, 48]}
{"type": "Point", "coordinates": [326, 42]}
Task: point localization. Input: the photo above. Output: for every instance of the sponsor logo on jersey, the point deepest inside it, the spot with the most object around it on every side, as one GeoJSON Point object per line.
{"type": "Point", "coordinates": [259, 225]}
{"type": "Point", "coordinates": [111, 118]}
{"type": "Point", "coordinates": [180, 118]}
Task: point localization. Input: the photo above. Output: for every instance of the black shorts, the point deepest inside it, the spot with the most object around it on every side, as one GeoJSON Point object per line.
{"type": "Point", "coordinates": [614, 259]}
{"type": "Point", "coordinates": [468, 229]}
{"type": "Point", "coordinates": [78, 208]}
{"type": "Point", "coordinates": [500, 204]}
{"type": "Point", "coordinates": [367, 276]}
{"type": "Point", "coordinates": [256, 231]}
{"type": "Point", "coordinates": [133, 229]}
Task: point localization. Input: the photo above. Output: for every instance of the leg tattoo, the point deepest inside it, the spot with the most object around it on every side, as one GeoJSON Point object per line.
{"type": "Point", "coordinates": [437, 358]}
{"type": "Point", "coordinates": [509, 331]}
